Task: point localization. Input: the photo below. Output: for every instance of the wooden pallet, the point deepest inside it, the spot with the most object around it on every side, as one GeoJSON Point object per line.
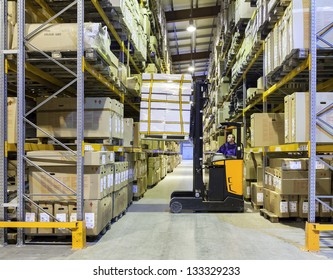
{"type": "Point", "coordinates": [137, 198]}
{"type": "Point", "coordinates": [256, 206]}
{"type": "Point", "coordinates": [269, 216]}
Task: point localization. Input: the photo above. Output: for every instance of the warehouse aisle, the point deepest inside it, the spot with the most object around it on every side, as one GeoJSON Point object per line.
{"type": "Point", "coordinates": [149, 231]}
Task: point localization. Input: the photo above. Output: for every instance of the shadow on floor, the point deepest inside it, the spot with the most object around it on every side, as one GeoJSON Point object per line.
{"type": "Point", "coordinates": [149, 208]}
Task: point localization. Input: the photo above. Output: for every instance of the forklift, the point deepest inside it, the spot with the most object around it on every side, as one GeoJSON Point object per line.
{"type": "Point", "coordinates": [222, 189]}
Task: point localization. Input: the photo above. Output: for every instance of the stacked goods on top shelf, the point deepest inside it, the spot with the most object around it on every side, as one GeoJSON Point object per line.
{"type": "Point", "coordinates": [137, 24]}
{"type": "Point", "coordinates": [165, 106]}
{"type": "Point", "coordinates": [103, 118]}
{"type": "Point", "coordinates": [292, 33]}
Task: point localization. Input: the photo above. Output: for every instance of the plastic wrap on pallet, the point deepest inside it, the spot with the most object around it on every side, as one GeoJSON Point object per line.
{"type": "Point", "coordinates": [63, 37]}
{"type": "Point", "coordinates": [165, 104]}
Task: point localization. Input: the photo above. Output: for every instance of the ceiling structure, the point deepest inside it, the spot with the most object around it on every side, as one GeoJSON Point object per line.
{"type": "Point", "coordinates": [191, 48]}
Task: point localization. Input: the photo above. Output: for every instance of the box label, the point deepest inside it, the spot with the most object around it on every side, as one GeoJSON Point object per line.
{"type": "Point", "coordinates": [292, 206]}
{"type": "Point", "coordinates": [260, 197]}
{"type": "Point", "coordinates": [90, 220]}
{"type": "Point", "coordinates": [30, 217]}
{"type": "Point", "coordinates": [284, 207]}
{"type": "Point", "coordinates": [135, 188]}
{"type": "Point", "coordinates": [73, 217]}
{"type": "Point", "coordinates": [44, 217]}
{"type": "Point", "coordinates": [305, 207]}
{"type": "Point", "coordinates": [104, 183]}
{"type": "Point", "coordinates": [295, 165]}
{"type": "Point", "coordinates": [101, 185]}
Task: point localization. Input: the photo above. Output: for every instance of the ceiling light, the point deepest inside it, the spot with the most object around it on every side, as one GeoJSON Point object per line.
{"type": "Point", "coordinates": [191, 27]}
{"type": "Point", "coordinates": [191, 69]}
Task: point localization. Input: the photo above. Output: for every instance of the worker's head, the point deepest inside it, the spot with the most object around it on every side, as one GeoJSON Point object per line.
{"type": "Point", "coordinates": [231, 138]}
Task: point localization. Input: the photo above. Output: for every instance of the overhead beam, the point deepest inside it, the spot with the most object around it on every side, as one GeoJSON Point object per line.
{"type": "Point", "coordinates": [189, 56]}
{"type": "Point", "coordinates": [189, 45]}
{"type": "Point", "coordinates": [197, 13]}
{"type": "Point", "coordinates": [198, 28]}
{"type": "Point", "coordinates": [189, 37]}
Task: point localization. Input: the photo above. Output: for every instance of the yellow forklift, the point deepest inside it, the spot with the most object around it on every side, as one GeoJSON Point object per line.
{"type": "Point", "coordinates": [221, 189]}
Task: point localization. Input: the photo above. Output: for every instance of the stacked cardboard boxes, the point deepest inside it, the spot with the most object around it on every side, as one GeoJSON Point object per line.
{"type": "Point", "coordinates": [165, 105]}
{"type": "Point", "coordinates": [267, 129]}
{"type": "Point", "coordinates": [297, 118]}
{"type": "Point", "coordinates": [55, 189]}
{"type": "Point", "coordinates": [120, 193]}
{"type": "Point", "coordinates": [103, 118]}
{"type": "Point", "coordinates": [154, 171]}
{"type": "Point", "coordinates": [293, 30]}
{"type": "Point", "coordinates": [286, 187]}
{"type": "Point", "coordinates": [140, 175]}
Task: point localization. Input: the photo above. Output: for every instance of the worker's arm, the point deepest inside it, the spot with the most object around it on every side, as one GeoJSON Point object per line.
{"type": "Point", "coordinates": [222, 149]}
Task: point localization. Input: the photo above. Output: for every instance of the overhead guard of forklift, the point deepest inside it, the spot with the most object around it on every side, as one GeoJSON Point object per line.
{"type": "Point", "coordinates": [230, 125]}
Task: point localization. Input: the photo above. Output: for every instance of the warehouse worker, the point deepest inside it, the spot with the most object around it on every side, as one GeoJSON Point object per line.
{"type": "Point", "coordinates": [230, 147]}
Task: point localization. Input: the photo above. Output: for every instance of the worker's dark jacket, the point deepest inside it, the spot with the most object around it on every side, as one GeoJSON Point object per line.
{"type": "Point", "coordinates": [228, 149]}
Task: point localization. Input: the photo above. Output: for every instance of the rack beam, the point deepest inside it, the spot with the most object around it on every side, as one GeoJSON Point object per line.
{"type": "Point", "coordinates": [78, 229]}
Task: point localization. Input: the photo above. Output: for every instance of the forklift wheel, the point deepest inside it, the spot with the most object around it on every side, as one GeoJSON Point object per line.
{"type": "Point", "coordinates": [176, 207]}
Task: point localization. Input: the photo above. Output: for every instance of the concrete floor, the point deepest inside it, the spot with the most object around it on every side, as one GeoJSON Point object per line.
{"type": "Point", "coordinates": [149, 232]}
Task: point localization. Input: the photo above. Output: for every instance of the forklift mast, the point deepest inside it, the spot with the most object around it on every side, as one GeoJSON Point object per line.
{"type": "Point", "coordinates": [197, 136]}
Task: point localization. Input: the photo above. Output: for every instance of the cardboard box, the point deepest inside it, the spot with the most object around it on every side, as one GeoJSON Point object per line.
{"type": "Point", "coordinates": [296, 182]}
{"type": "Point", "coordinates": [128, 132]}
{"type": "Point", "coordinates": [61, 212]}
{"type": "Point", "coordinates": [267, 199]}
{"type": "Point", "coordinates": [260, 175]}
{"type": "Point", "coordinates": [120, 201]}
{"type": "Point", "coordinates": [304, 207]}
{"type": "Point", "coordinates": [44, 217]}
{"type": "Point", "coordinates": [95, 183]}
{"type": "Point", "coordinates": [58, 117]}
{"type": "Point", "coordinates": [31, 215]}
{"type": "Point", "coordinates": [289, 164]}
{"type": "Point", "coordinates": [293, 206]}
{"type": "Point", "coordinates": [257, 194]}
{"type": "Point", "coordinates": [260, 83]}
{"type": "Point", "coordinates": [140, 187]}
{"type": "Point", "coordinates": [287, 119]}
{"type": "Point", "coordinates": [66, 158]}
{"type": "Point", "coordinates": [299, 119]}
{"type": "Point", "coordinates": [136, 137]}
{"type": "Point", "coordinates": [267, 129]}
{"type": "Point", "coordinates": [325, 211]}
{"type": "Point", "coordinates": [110, 169]}
{"type": "Point", "coordinates": [97, 214]}
{"type": "Point", "coordinates": [12, 119]}
{"type": "Point", "coordinates": [279, 204]}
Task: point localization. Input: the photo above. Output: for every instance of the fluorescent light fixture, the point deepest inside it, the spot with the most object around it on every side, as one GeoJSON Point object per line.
{"type": "Point", "coordinates": [191, 69]}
